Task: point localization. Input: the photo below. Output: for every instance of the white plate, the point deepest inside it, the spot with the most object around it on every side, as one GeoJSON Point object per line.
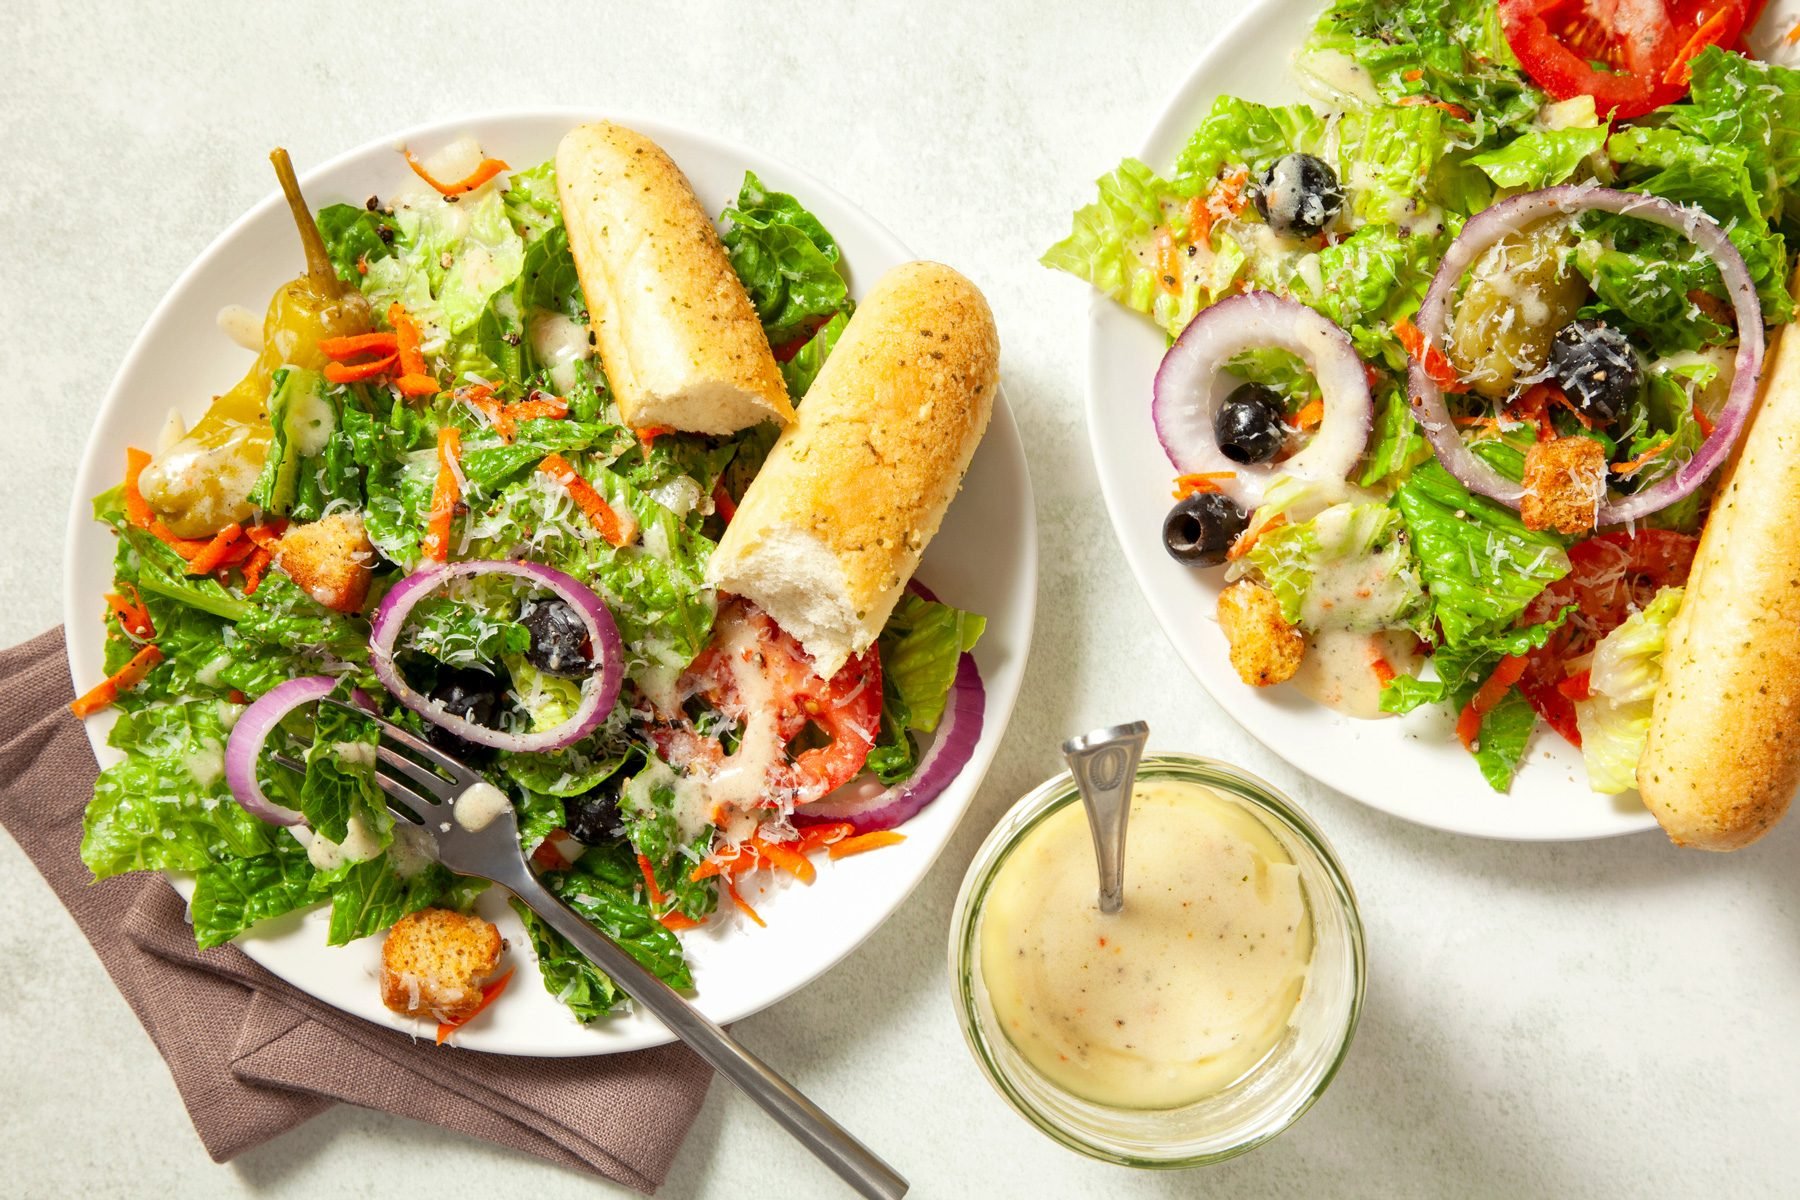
{"type": "Point", "coordinates": [1412, 767]}
{"type": "Point", "coordinates": [984, 559]}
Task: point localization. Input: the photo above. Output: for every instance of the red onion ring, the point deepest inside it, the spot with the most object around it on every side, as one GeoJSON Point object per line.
{"type": "Point", "coordinates": [1509, 216]}
{"type": "Point", "coordinates": [244, 747]}
{"type": "Point", "coordinates": [598, 693]}
{"type": "Point", "coordinates": [950, 750]}
{"type": "Point", "coordinates": [1187, 393]}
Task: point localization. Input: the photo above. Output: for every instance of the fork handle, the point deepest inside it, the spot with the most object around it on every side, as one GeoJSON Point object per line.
{"type": "Point", "coordinates": [830, 1142]}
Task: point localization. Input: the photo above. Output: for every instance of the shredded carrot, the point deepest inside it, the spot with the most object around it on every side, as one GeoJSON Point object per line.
{"type": "Point", "coordinates": [741, 859]}
{"type": "Point", "coordinates": [488, 996]}
{"type": "Point", "coordinates": [379, 344]}
{"type": "Point", "coordinates": [675, 922]}
{"type": "Point", "coordinates": [723, 504]}
{"type": "Point", "coordinates": [650, 433]}
{"type": "Point", "coordinates": [1632, 466]}
{"type": "Point", "coordinates": [1384, 670]}
{"type": "Point", "coordinates": [336, 372]}
{"type": "Point", "coordinates": [137, 509]}
{"type": "Point", "coordinates": [1702, 420]}
{"type": "Point", "coordinates": [1311, 414]}
{"type": "Point", "coordinates": [134, 618]}
{"type": "Point", "coordinates": [1476, 421]}
{"type": "Point", "coordinates": [489, 168]}
{"type": "Point", "coordinates": [1468, 722]}
{"type": "Point", "coordinates": [743, 905]}
{"type": "Point", "coordinates": [547, 857]}
{"type": "Point", "coordinates": [864, 842]}
{"type": "Point", "coordinates": [1413, 76]}
{"type": "Point", "coordinates": [650, 888]}
{"type": "Point", "coordinates": [1792, 36]}
{"type": "Point", "coordinates": [1168, 262]}
{"type": "Point", "coordinates": [1455, 110]}
{"type": "Point", "coordinates": [1422, 351]}
{"type": "Point", "coordinates": [785, 857]}
{"type": "Point", "coordinates": [1200, 481]}
{"type": "Point", "coordinates": [210, 559]}
{"type": "Point", "coordinates": [362, 264]}
{"type": "Point", "coordinates": [814, 837]}
{"type": "Point", "coordinates": [605, 519]}
{"type": "Point", "coordinates": [415, 377]}
{"type": "Point", "coordinates": [1681, 69]}
{"type": "Point", "coordinates": [1246, 541]}
{"type": "Point", "coordinates": [444, 496]}
{"type": "Point", "coordinates": [267, 533]}
{"type": "Point", "coordinates": [122, 680]}
{"type": "Point", "coordinates": [1225, 199]}
{"type": "Point", "coordinates": [186, 547]}
{"type": "Point", "coordinates": [254, 567]}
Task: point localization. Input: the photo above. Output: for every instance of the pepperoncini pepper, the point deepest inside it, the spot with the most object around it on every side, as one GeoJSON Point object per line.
{"type": "Point", "coordinates": [202, 483]}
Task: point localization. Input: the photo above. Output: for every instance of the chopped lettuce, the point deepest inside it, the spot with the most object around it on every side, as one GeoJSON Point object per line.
{"type": "Point", "coordinates": [1242, 134]}
{"type": "Point", "coordinates": [804, 367]}
{"type": "Point", "coordinates": [234, 894]}
{"type": "Point", "coordinates": [1541, 158]}
{"type": "Point", "coordinates": [1443, 51]}
{"type": "Point", "coordinates": [1480, 564]}
{"type": "Point", "coordinates": [1114, 246]}
{"type": "Point", "coordinates": [1627, 667]}
{"type": "Point", "coordinates": [1348, 568]}
{"type": "Point", "coordinates": [920, 648]}
{"type": "Point", "coordinates": [1500, 744]}
{"type": "Point", "coordinates": [786, 259]}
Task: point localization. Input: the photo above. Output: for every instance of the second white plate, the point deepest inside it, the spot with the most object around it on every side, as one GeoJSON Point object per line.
{"type": "Point", "coordinates": [1412, 767]}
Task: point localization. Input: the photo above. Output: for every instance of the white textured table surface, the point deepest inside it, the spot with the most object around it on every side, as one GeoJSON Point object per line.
{"type": "Point", "coordinates": [1607, 1019]}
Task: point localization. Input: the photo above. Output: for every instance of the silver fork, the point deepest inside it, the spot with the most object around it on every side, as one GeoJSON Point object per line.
{"type": "Point", "coordinates": [476, 833]}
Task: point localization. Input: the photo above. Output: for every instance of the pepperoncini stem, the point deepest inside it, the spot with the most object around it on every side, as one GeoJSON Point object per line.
{"type": "Point", "coordinates": [319, 270]}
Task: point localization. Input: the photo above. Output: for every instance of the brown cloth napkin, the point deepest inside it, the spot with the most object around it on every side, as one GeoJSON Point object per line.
{"type": "Point", "coordinates": [253, 1057]}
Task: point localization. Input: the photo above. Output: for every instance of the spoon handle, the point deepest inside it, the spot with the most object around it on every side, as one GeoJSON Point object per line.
{"type": "Point", "coordinates": [1105, 764]}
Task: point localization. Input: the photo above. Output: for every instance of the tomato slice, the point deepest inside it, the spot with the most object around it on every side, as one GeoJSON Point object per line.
{"type": "Point", "coordinates": [1630, 55]}
{"type": "Point", "coordinates": [1611, 575]}
{"type": "Point", "coordinates": [789, 696]}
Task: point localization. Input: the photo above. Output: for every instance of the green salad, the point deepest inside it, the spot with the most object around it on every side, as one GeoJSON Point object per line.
{"type": "Point", "coordinates": [428, 396]}
{"type": "Point", "coordinates": [1456, 351]}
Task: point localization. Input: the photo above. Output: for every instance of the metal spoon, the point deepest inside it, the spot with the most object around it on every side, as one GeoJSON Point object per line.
{"type": "Point", "coordinates": [1105, 764]}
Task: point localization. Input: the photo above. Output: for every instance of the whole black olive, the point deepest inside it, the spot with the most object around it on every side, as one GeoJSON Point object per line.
{"type": "Point", "coordinates": [1250, 425]}
{"type": "Point", "coordinates": [559, 641]}
{"type": "Point", "coordinates": [1597, 368]}
{"type": "Point", "coordinates": [1298, 195]}
{"type": "Point", "coordinates": [1200, 529]}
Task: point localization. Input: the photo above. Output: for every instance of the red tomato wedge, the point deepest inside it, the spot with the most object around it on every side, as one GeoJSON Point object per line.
{"type": "Point", "coordinates": [1630, 55]}
{"type": "Point", "coordinates": [1610, 576]}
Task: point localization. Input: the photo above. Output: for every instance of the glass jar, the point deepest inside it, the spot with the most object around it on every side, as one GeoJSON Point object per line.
{"type": "Point", "coordinates": [1266, 1099]}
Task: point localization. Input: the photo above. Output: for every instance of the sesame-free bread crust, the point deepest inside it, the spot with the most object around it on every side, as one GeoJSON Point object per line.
{"type": "Point", "coordinates": [1722, 759]}
{"type": "Point", "coordinates": [677, 335]}
{"type": "Point", "coordinates": [833, 526]}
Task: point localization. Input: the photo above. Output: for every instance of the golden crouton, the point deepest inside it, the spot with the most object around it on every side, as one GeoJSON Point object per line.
{"type": "Point", "coordinates": [1265, 649]}
{"type": "Point", "coordinates": [331, 559]}
{"type": "Point", "coordinates": [435, 962]}
{"type": "Point", "coordinates": [1565, 480]}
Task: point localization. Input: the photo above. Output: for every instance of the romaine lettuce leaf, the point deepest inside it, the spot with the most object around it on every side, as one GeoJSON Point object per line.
{"type": "Point", "coordinates": [1505, 732]}
{"type": "Point", "coordinates": [1736, 100]}
{"type": "Point", "coordinates": [1541, 158]}
{"type": "Point", "coordinates": [786, 260]}
{"type": "Point", "coordinates": [1244, 134]}
{"type": "Point", "coordinates": [234, 894]}
{"type": "Point", "coordinates": [367, 897]}
{"type": "Point", "coordinates": [1480, 564]}
{"type": "Point", "coordinates": [919, 648]}
{"type": "Point", "coordinates": [1627, 668]}
{"type": "Point", "coordinates": [800, 370]}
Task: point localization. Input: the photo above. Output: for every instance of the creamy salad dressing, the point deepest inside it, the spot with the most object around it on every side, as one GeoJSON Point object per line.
{"type": "Point", "coordinates": [1340, 669]}
{"type": "Point", "coordinates": [1177, 996]}
{"type": "Point", "coordinates": [242, 326]}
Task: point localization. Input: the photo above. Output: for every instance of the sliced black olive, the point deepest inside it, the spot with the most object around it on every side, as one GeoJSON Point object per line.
{"type": "Point", "coordinates": [1298, 195]}
{"type": "Point", "coordinates": [1597, 367]}
{"type": "Point", "coordinates": [1200, 529]}
{"type": "Point", "coordinates": [559, 641]}
{"type": "Point", "coordinates": [475, 696]}
{"type": "Point", "coordinates": [1250, 425]}
{"type": "Point", "coordinates": [593, 817]}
